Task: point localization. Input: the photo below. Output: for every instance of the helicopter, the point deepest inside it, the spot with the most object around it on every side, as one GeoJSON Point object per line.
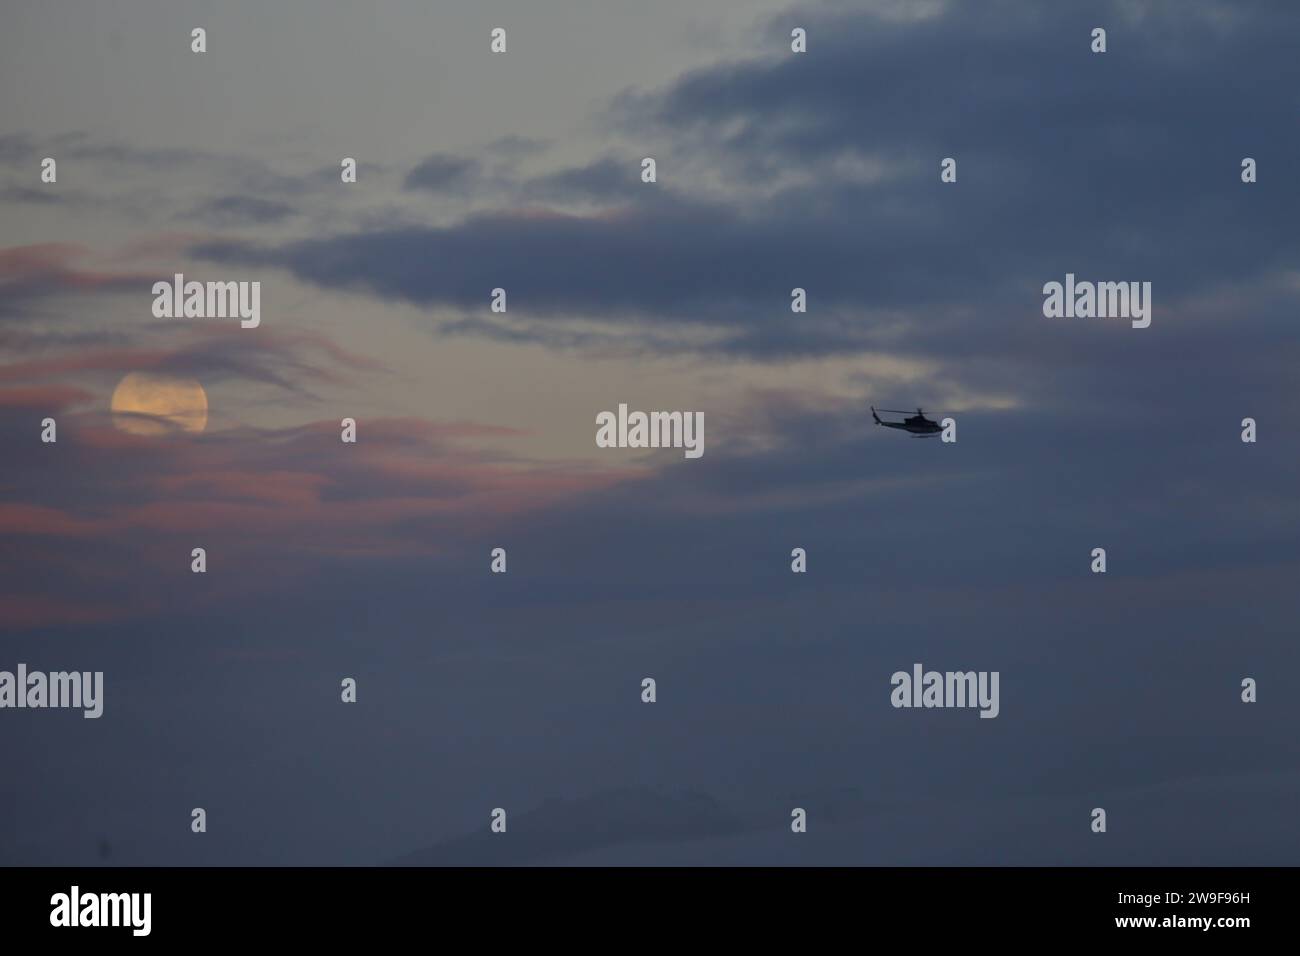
{"type": "Point", "coordinates": [917, 424]}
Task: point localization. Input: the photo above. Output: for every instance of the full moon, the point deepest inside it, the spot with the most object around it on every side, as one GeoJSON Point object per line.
{"type": "Point", "coordinates": [145, 403]}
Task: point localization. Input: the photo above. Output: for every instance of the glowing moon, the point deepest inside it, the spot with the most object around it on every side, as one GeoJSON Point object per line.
{"type": "Point", "coordinates": [145, 403]}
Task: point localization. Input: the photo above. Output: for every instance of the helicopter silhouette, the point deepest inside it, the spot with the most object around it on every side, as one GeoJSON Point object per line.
{"type": "Point", "coordinates": [917, 424]}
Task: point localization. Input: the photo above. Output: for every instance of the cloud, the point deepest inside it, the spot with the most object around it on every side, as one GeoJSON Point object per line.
{"type": "Point", "coordinates": [30, 273]}
{"type": "Point", "coordinates": [252, 173]}
{"type": "Point", "coordinates": [297, 361]}
{"type": "Point", "coordinates": [227, 210]}
{"type": "Point", "coordinates": [44, 397]}
{"type": "Point", "coordinates": [266, 498]}
{"type": "Point", "coordinates": [441, 171]}
{"type": "Point", "coordinates": [16, 148]}
{"type": "Point", "coordinates": [147, 184]}
{"type": "Point", "coordinates": [25, 611]}
{"type": "Point", "coordinates": [325, 562]}
{"type": "Point", "coordinates": [822, 171]}
{"type": "Point", "coordinates": [819, 171]}
{"type": "Point", "coordinates": [604, 180]}
{"type": "Point", "coordinates": [32, 194]}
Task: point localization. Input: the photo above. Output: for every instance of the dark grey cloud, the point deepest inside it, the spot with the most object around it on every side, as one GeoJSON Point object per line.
{"type": "Point", "coordinates": [972, 555]}
{"type": "Point", "coordinates": [552, 262]}
{"type": "Point", "coordinates": [523, 691]}
{"type": "Point", "coordinates": [17, 148]}
{"type": "Point", "coordinates": [48, 196]}
{"type": "Point", "coordinates": [88, 157]}
{"type": "Point", "coordinates": [297, 363]}
{"type": "Point", "coordinates": [441, 172]}
{"type": "Point", "coordinates": [34, 290]}
{"type": "Point", "coordinates": [80, 145]}
{"type": "Point", "coordinates": [239, 210]}
{"type": "Point", "coordinates": [1067, 161]}
{"type": "Point", "coordinates": [604, 180]}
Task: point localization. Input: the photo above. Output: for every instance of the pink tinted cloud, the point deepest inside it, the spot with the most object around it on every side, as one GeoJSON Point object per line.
{"type": "Point", "coordinates": [26, 611]}
{"type": "Point", "coordinates": [52, 264]}
{"type": "Point", "coordinates": [99, 360]}
{"type": "Point", "coordinates": [52, 397]}
{"type": "Point", "coordinates": [271, 503]}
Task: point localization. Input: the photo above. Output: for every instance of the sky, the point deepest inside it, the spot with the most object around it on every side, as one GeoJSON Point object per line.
{"type": "Point", "coordinates": [476, 430]}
